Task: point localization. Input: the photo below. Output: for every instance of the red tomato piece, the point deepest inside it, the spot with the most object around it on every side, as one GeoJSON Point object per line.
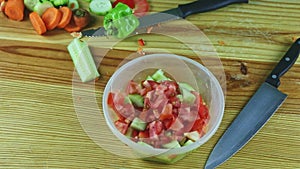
{"type": "Point", "coordinates": [141, 8]}
{"type": "Point", "coordinates": [123, 109]}
{"type": "Point", "coordinates": [198, 125]}
{"type": "Point", "coordinates": [121, 126]}
{"type": "Point", "coordinates": [155, 128]}
{"type": "Point", "coordinates": [143, 134]}
{"type": "Point", "coordinates": [141, 42]}
{"type": "Point", "coordinates": [130, 3]}
{"type": "Point", "coordinates": [133, 88]}
{"type": "Point", "coordinates": [166, 112]}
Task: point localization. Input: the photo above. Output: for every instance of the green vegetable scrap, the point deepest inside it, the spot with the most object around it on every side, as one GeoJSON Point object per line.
{"type": "Point", "coordinates": [120, 21]}
{"type": "Point", "coordinates": [83, 60]}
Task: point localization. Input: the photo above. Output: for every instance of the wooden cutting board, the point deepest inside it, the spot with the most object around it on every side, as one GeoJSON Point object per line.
{"type": "Point", "coordinates": [39, 127]}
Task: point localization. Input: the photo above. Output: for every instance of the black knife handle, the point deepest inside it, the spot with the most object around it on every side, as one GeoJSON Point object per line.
{"type": "Point", "coordinates": [205, 5]}
{"type": "Point", "coordinates": [284, 64]}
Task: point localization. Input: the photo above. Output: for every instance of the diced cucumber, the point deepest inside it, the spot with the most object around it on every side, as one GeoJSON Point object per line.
{"type": "Point", "coordinates": [149, 78]}
{"type": "Point", "coordinates": [138, 124]}
{"type": "Point", "coordinates": [73, 4]}
{"type": "Point", "coordinates": [127, 100]}
{"type": "Point", "coordinates": [83, 60]}
{"type": "Point", "coordinates": [136, 100]}
{"type": "Point", "coordinates": [182, 141]}
{"type": "Point", "coordinates": [186, 86]}
{"type": "Point", "coordinates": [172, 144]}
{"type": "Point", "coordinates": [188, 143]}
{"type": "Point", "coordinates": [159, 76]}
{"type": "Point", "coordinates": [41, 7]}
{"type": "Point", "coordinates": [187, 96]}
{"type": "Point", "coordinates": [100, 7]}
{"type": "Point", "coordinates": [129, 132]}
{"type": "Point", "coordinates": [194, 135]}
{"type": "Point", "coordinates": [30, 4]}
{"type": "Point", "coordinates": [180, 97]}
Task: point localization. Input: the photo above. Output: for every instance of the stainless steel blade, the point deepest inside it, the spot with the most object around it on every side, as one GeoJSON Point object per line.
{"type": "Point", "coordinates": [255, 114]}
{"type": "Point", "coordinates": [145, 21]}
{"type": "Point", "coordinates": [156, 18]}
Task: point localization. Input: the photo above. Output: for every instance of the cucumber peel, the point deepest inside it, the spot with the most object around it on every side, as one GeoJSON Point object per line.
{"type": "Point", "coordinates": [83, 60]}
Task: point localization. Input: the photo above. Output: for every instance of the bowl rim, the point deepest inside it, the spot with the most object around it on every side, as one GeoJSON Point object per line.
{"type": "Point", "coordinates": [157, 151]}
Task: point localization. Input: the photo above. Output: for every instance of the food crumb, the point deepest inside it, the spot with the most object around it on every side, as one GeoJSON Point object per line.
{"type": "Point", "coordinates": [76, 34]}
{"type": "Point", "coordinates": [244, 68]}
{"type": "Point", "coordinates": [149, 29]}
{"type": "Point", "coordinates": [294, 38]}
{"type": "Point", "coordinates": [221, 43]}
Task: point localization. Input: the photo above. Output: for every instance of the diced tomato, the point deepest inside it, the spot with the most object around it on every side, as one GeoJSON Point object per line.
{"type": "Point", "coordinates": [123, 109]}
{"type": "Point", "coordinates": [175, 101]}
{"type": "Point", "coordinates": [149, 84]}
{"type": "Point", "coordinates": [135, 133]}
{"type": "Point", "coordinates": [166, 112]}
{"type": "Point", "coordinates": [133, 88]}
{"type": "Point", "coordinates": [110, 100]}
{"type": "Point", "coordinates": [144, 134]}
{"type": "Point", "coordinates": [141, 8]}
{"type": "Point", "coordinates": [177, 125]}
{"type": "Point", "coordinates": [121, 126]}
{"type": "Point", "coordinates": [141, 42]}
{"type": "Point", "coordinates": [172, 88]}
{"type": "Point", "coordinates": [203, 112]}
{"type": "Point", "coordinates": [155, 128]}
{"type": "Point", "coordinates": [198, 125]}
{"type": "Point", "coordinates": [167, 123]}
{"type": "Point", "coordinates": [130, 3]}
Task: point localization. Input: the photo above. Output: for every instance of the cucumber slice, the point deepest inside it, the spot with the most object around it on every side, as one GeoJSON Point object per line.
{"type": "Point", "coordinates": [159, 76]}
{"type": "Point", "coordinates": [73, 4]}
{"type": "Point", "coordinates": [186, 86]}
{"type": "Point", "coordinates": [30, 4]}
{"type": "Point", "coordinates": [83, 60]}
{"type": "Point", "coordinates": [138, 124]}
{"type": "Point", "coordinates": [137, 100]}
{"type": "Point", "coordinates": [41, 7]}
{"type": "Point", "coordinates": [172, 144]}
{"type": "Point", "coordinates": [100, 7]}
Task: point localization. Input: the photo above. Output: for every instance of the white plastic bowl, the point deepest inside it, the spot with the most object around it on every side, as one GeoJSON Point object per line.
{"type": "Point", "coordinates": [182, 69]}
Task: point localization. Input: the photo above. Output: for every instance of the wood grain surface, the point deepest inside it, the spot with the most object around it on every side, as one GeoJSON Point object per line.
{"type": "Point", "coordinates": [39, 127]}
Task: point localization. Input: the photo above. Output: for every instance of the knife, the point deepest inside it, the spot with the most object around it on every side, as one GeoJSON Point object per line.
{"type": "Point", "coordinates": [256, 113]}
{"type": "Point", "coordinates": [181, 12]}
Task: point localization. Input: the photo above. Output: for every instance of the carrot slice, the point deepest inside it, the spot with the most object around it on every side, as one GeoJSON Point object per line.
{"type": "Point", "coordinates": [14, 9]}
{"type": "Point", "coordinates": [72, 27]}
{"type": "Point", "coordinates": [66, 17]}
{"type": "Point", "coordinates": [37, 23]}
{"type": "Point", "coordinates": [51, 18]}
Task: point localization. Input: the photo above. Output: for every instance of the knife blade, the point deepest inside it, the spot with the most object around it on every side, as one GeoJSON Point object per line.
{"type": "Point", "coordinates": [181, 12]}
{"type": "Point", "coordinates": [256, 113]}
